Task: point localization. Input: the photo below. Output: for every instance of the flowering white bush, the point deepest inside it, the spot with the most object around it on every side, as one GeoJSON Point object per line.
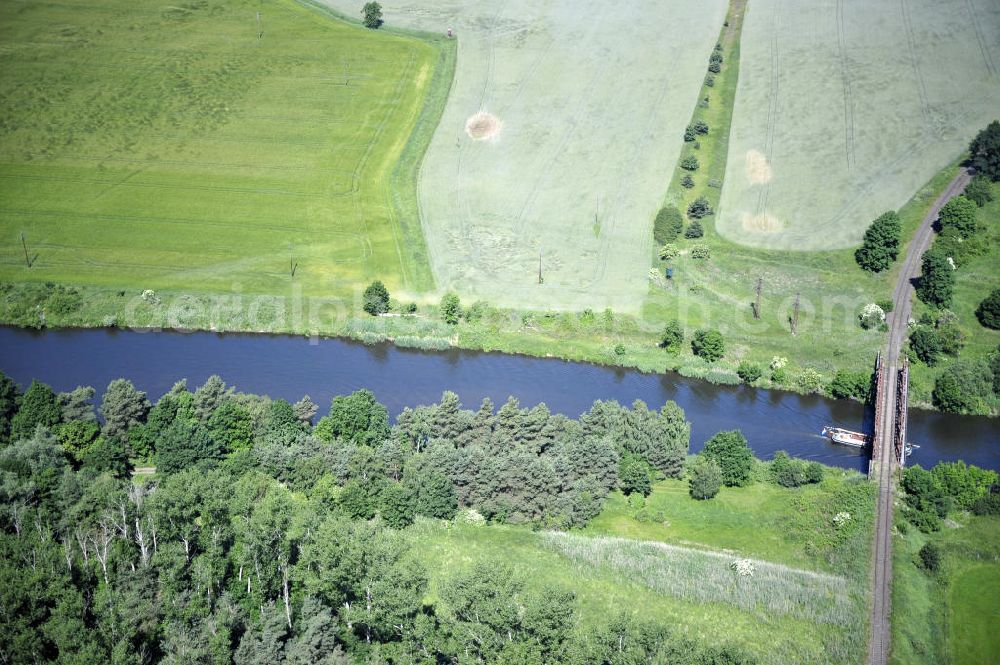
{"type": "Point", "coordinates": [743, 567]}
{"type": "Point", "coordinates": [951, 262]}
{"type": "Point", "coordinates": [149, 295]}
{"type": "Point", "coordinates": [471, 516]}
{"type": "Point", "coordinates": [871, 316]}
{"type": "Point", "coordinates": [842, 518]}
{"type": "Point", "coordinates": [777, 362]}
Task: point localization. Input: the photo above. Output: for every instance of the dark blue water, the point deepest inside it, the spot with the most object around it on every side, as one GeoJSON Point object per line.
{"type": "Point", "coordinates": [290, 367]}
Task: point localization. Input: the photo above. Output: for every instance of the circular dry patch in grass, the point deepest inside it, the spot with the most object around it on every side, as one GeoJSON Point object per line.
{"type": "Point", "coordinates": [763, 223]}
{"type": "Point", "coordinates": [757, 168]}
{"type": "Point", "coordinates": [482, 126]}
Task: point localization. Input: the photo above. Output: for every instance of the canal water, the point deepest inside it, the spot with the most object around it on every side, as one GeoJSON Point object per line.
{"type": "Point", "coordinates": [290, 367]}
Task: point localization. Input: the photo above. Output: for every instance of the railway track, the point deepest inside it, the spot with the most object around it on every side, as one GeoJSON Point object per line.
{"type": "Point", "coordinates": [879, 642]}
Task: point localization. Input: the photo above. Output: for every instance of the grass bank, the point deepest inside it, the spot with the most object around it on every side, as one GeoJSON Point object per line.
{"type": "Point", "coordinates": [949, 616]}
{"type": "Point", "coordinates": [609, 570]}
{"type": "Point", "coordinates": [974, 280]}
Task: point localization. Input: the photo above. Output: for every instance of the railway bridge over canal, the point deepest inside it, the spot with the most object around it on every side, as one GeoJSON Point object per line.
{"type": "Point", "coordinates": [889, 437]}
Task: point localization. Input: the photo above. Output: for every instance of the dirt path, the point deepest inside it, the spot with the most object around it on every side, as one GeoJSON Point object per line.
{"type": "Point", "coordinates": [878, 646]}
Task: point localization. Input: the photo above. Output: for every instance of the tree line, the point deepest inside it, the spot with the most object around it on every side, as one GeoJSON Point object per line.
{"type": "Point", "coordinates": [264, 537]}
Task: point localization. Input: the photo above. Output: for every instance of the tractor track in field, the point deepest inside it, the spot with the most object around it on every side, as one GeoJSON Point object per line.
{"type": "Point", "coordinates": [845, 75]}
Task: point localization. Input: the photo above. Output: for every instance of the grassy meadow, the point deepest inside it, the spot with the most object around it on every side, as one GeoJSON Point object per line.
{"type": "Point", "coordinates": [949, 616]}
{"type": "Point", "coordinates": [974, 280]}
{"type": "Point", "coordinates": [190, 147]}
{"type": "Point", "coordinates": [806, 602]}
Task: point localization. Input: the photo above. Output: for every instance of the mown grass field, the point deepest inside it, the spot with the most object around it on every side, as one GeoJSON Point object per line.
{"type": "Point", "coordinates": [789, 527]}
{"type": "Point", "coordinates": [187, 147]}
{"type": "Point", "coordinates": [951, 616]}
{"type": "Point", "coordinates": [845, 108]}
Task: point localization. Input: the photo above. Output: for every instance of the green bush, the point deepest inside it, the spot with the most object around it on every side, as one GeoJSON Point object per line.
{"type": "Point", "coordinates": [936, 284]}
{"type": "Point", "coordinates": [669, 252]}
{"type": "Point", "coordinates": [708, 344]}
{"type": "Point", "coordinates": [672, 337]}
{"type": "Point", "coordinates": [372, 15]}
{"type": "Point", "coordinates": [701, 127]}
{"type": "Point", "coordinates": [668, 224]}
{"type": "Point", "coordinates": [699, 208]}
{"type": "Point", "coordinates": [964, 387]}
{"type": "Point", "coordinates": [925, 344]}
{"type": "Point", "coordinates": [687, 182]}
{"type": "Point", "coordinates": [985, 151]}
{"type": "Point", "coordinates": [451, 308]}
{"type": "Point", "coordinates": [850, 384]}
{"type": "Point", "coordinates": [988, 505]}
{"type": "Point", "coordinates": [375, 300]}
{"type": "Point", "coordinates": [748, 371]}
{"type": "Point", "coordinates": [704, 478]}
{"type": "Point", "coordinates": [960, 214]}
{"type": "Point", "coordinates": [690, 163]}
{"type": "Point", "coordinates": [700, 252]}
{"type": "Point", "coordinates": [733, 455]}
{"type": "Point", "coordinates": [886, 304]}
{"type": "Point", "coordinates": [790, 472]}
{"type": "Point", "coordinates": [988, 311]}
{"type": "Point", "coordinates": [979, 191]}
{"type": "Point", "coordinates": [930, 557]}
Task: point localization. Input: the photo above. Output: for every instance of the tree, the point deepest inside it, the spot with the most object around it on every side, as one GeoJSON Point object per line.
{"type": "Point", "coordinates": [985, 152]}
{"type": "Point", "coordinates": [77, 438]}
{"type": "Point", "coordinates": [708, 344]}
{"type": "Point", "coordinates": [122, 407]}
{"type": "Point", "coordinates": [748, 371]}
{"type": "Point", "coordinates": [230, 426]}
{"type": "Point", "coordinates": [451, 309]}
{"type": "Point", "coordinates": [396, 506]}
{"type": "Point", "coordinates": [432, 494]}
{"type": "Point", "coordinates": [209, 396]}
{"type": "Point", "coordinates": [10, 396]}
{"type": "Point", "coordinates": [701, 127]}
{"type": "Point", "coordinates": [925, 344]}
{"type": "Point", "coordinates": [964, 483]}
{"type": "Point", "coordinates": [979, 191]}
{"type": "Point", "coordinates": [672, 337]}
{"type": "Point", "coordinates": [959, 213]}
{"type": "Point", "coordinates": [485, 604]}
{"type": "Point", "coordinates": [694, 230]}
{"type": "Point", "coordinates": [77, 404]}
{"type": "Point", "coordinates": [372, 15]}
{"type": "Point", "coordinates": [936, 283]}
{"type": "Point", "coordinates": [988, 311]}
{"type": "Point", "coordinates": [633, 476]}
{"type": "Point", "coordinates": [964, 387]}
{"type": "Point", "coordinates": [789, 472]}
{"type": "Point", "coordinates": [375, 299]}
{"type": "Point", "coordinates": [38, 406]}
{"type": "Point", "coordinates": [184, 444]}
{"type": "Point", "coordinates": [699, 208]}
{"type": "Point", "coordinates": [668, 224]}
{"type": "Point", "coordinates": [733, 455]}
{"type": "Point", "coordinates": [704, 478]}
{"type": "Point", "coordinates": [357, 419]}
{"type": "Point", "coordinates": [305, 410]}
{"type": "Point", "coordinates": [880, 246]}
{"type": "Point", "coordinates": [851, 384]}
{"type": "Point", "coordinates": [930, 556]}
{"type": "Point", "coordinates": [690, 163]}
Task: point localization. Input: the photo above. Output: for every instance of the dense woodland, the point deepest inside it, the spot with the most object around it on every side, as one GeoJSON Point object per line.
{"type": "Point", "coordinates": [263, 538]}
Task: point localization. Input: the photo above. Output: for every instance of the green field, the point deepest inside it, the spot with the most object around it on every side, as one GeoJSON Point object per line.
{"type": "Point", "coordinates": [845, 108]}
{"type": "Point", "coordinates": [790, 618]}
{"type": "Point", "coordinates": [950, 617]}
{"type": "Point", "coordinates": [592, 99]}
{"type": "Point", "coordinates": [175, 147]}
